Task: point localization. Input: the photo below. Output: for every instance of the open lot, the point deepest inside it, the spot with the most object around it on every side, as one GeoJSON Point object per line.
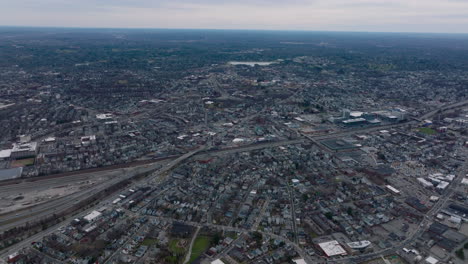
{"type": "Point", "coordinates": [22, 162]}
{"type": "Point", "coordinates": [200, 245]}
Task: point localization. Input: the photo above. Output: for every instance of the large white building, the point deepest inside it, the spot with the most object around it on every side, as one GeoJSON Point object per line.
{"type": "Point", "coordinates": [5, 154]}
{"type": "Point", "coordinates": [332, 248]}
{"type": "Point", "coordinates": [92, 216]}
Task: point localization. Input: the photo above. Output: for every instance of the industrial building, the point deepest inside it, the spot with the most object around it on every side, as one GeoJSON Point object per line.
{"type": "Point", "coordinates": [332, 248]}
{"type": "Point", "coordinates": [13, 173]}
{"type": "Point", "coordinates": [92, 216]}
{"type": "Point", "coordinates": [24, 150]}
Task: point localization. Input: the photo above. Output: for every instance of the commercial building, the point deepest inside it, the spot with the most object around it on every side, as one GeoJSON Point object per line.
{"type": "Point", "coordinates": [8, 174]}
{"type": "Point", "coordinates": [332, 248]}
{"type": "Point", "coordinates": [92, 216]}
{"type": "Point", "coordinates": [392, 189]}
{"type": "Point", "coordinates": [431, 260]}
{"type": "Point", "coordinates": [24, 150]}
{"type": "Point", "coordinates": [425, 183]}
{"type": "Point", "coordinates": [299, 261]}
{"type": "Point", "coordinates": [88, 140]}
{"type": "Point", "coordinates": [104, 117]}
{"type": "Point", "coordinates": [5, 154]}
{"type": "Point", "coordinates": [355, 122]}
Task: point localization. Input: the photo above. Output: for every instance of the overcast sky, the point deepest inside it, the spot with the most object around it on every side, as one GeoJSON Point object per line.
{"type": "Point", "coordinates": [448, 16]}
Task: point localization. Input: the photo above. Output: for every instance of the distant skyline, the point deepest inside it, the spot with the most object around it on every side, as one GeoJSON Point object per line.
{"type": "Point", "coordinates": [437, 16]}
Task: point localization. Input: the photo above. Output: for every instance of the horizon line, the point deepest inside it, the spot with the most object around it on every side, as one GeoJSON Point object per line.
{"type": "Point", "coordinates": [233, 29]}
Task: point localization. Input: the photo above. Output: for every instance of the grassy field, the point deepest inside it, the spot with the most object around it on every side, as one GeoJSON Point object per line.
{"type": "Point", "coordinates": [22, 162]}
{"type": "Point", "coordinates": [392, 259]}
{"type": "Point", "coordinates": [201, 244]}
{"type": "Point", "coordinates": [231, 234]}
{"type": "Point", "coordinates": [179, 252]}
{"type": "Point", "coordinates": [312, 234]}
{"type": "Point", "coordinates": [172, 259]}
{"type": "Point", "coordinates": [427, 130]}
{"type": "Point", "coordinates": [174, 248]}
{"type": "Point", "coordinates": [149, 242]}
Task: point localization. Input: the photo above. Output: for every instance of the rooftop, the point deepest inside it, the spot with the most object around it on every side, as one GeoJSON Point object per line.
{"type": "Point", "coordinates": [431, 260]}
{"type": "Point", "coordinates": [31, 146]}
{"type": "Point", "coordinates": [6, 153]}
{"type": "Point", "coordinates": [332, 248]}
{"type": "Point", "coordinates": [93, 215]}
{"type": "Point", "coordinates": [300, 261]}
{"type": "Point", "coordinates": [8, 174]}
{"type": "Point", "coordinates": [356, 114]}
{"type": "Point", "coordinates": [356, 120]}
{"type": "Point", "coordinates": [104, 116]}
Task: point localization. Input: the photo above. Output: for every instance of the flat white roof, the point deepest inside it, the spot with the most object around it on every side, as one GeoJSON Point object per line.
{"type": "Point", "coordinates": [93, 215]}
{"type": "Point", "coordinates": [104, 116]}
{"type": "Point", "coordinates": [87, 138]}
{"type": "Point", "coordinates": [91, 228]}
{"type": "Point", "coordinates": [49, 139]}
{"type": "Point", "coordinates": [218, 261]}
{"type": "Point", "coordinates": [393, 189]}
{"type": "Point", "coordinates": [354, 120]}
{"type": "Point", "coordinates": [332, 248]}
{"type": "Point", "coordinates": [31, 146]}
{"type": "Point", "coordinates": [6, 153]}
{"type": "Point", "coordinates": [300, 261]}
{"type": "Point", "coordinates": [442, 185]}
{"type": "Point", "coordinates": [465, 181]}
{"type": "Point", "coordinates": [356, 114]}
{"type": "Point", "coordinates": [431, 260]}
{"type": "Point", "coordinates": [12, 256]}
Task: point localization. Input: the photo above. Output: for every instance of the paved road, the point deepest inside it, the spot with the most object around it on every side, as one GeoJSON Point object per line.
{"type": "Point", "coordinates": [154, 177]}
{"type": "Point", "coordinates": [423, 225]}
{"type": "Point", "coordinates": [189, 252]}
{"type": "Point", "coordinates": [299, 250]}
{"type": "Point", "coordinates": [261, 214]}
{"type": "Point", "coordinates": [50, 208]}
{"type": "Point", "coordinates": [443, 108]}
{"type": "Point", "coordinates": [293, 209]}
{"type": "Point", "coordinates": [56, 206]}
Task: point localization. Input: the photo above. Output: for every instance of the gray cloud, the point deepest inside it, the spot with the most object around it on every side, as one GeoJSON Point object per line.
{"type": "Point", "coordinates": [358, 15]}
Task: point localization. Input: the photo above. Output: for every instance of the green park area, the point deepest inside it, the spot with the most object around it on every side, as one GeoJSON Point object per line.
{"type": "Point", "coordinates": [177, 248]}
{"type": "Point", "coordinates": [201, 244]}
{"type": "Point", "coordinates": [149, 242]}
{"type": "Point", "coordinates": [427, 130]}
